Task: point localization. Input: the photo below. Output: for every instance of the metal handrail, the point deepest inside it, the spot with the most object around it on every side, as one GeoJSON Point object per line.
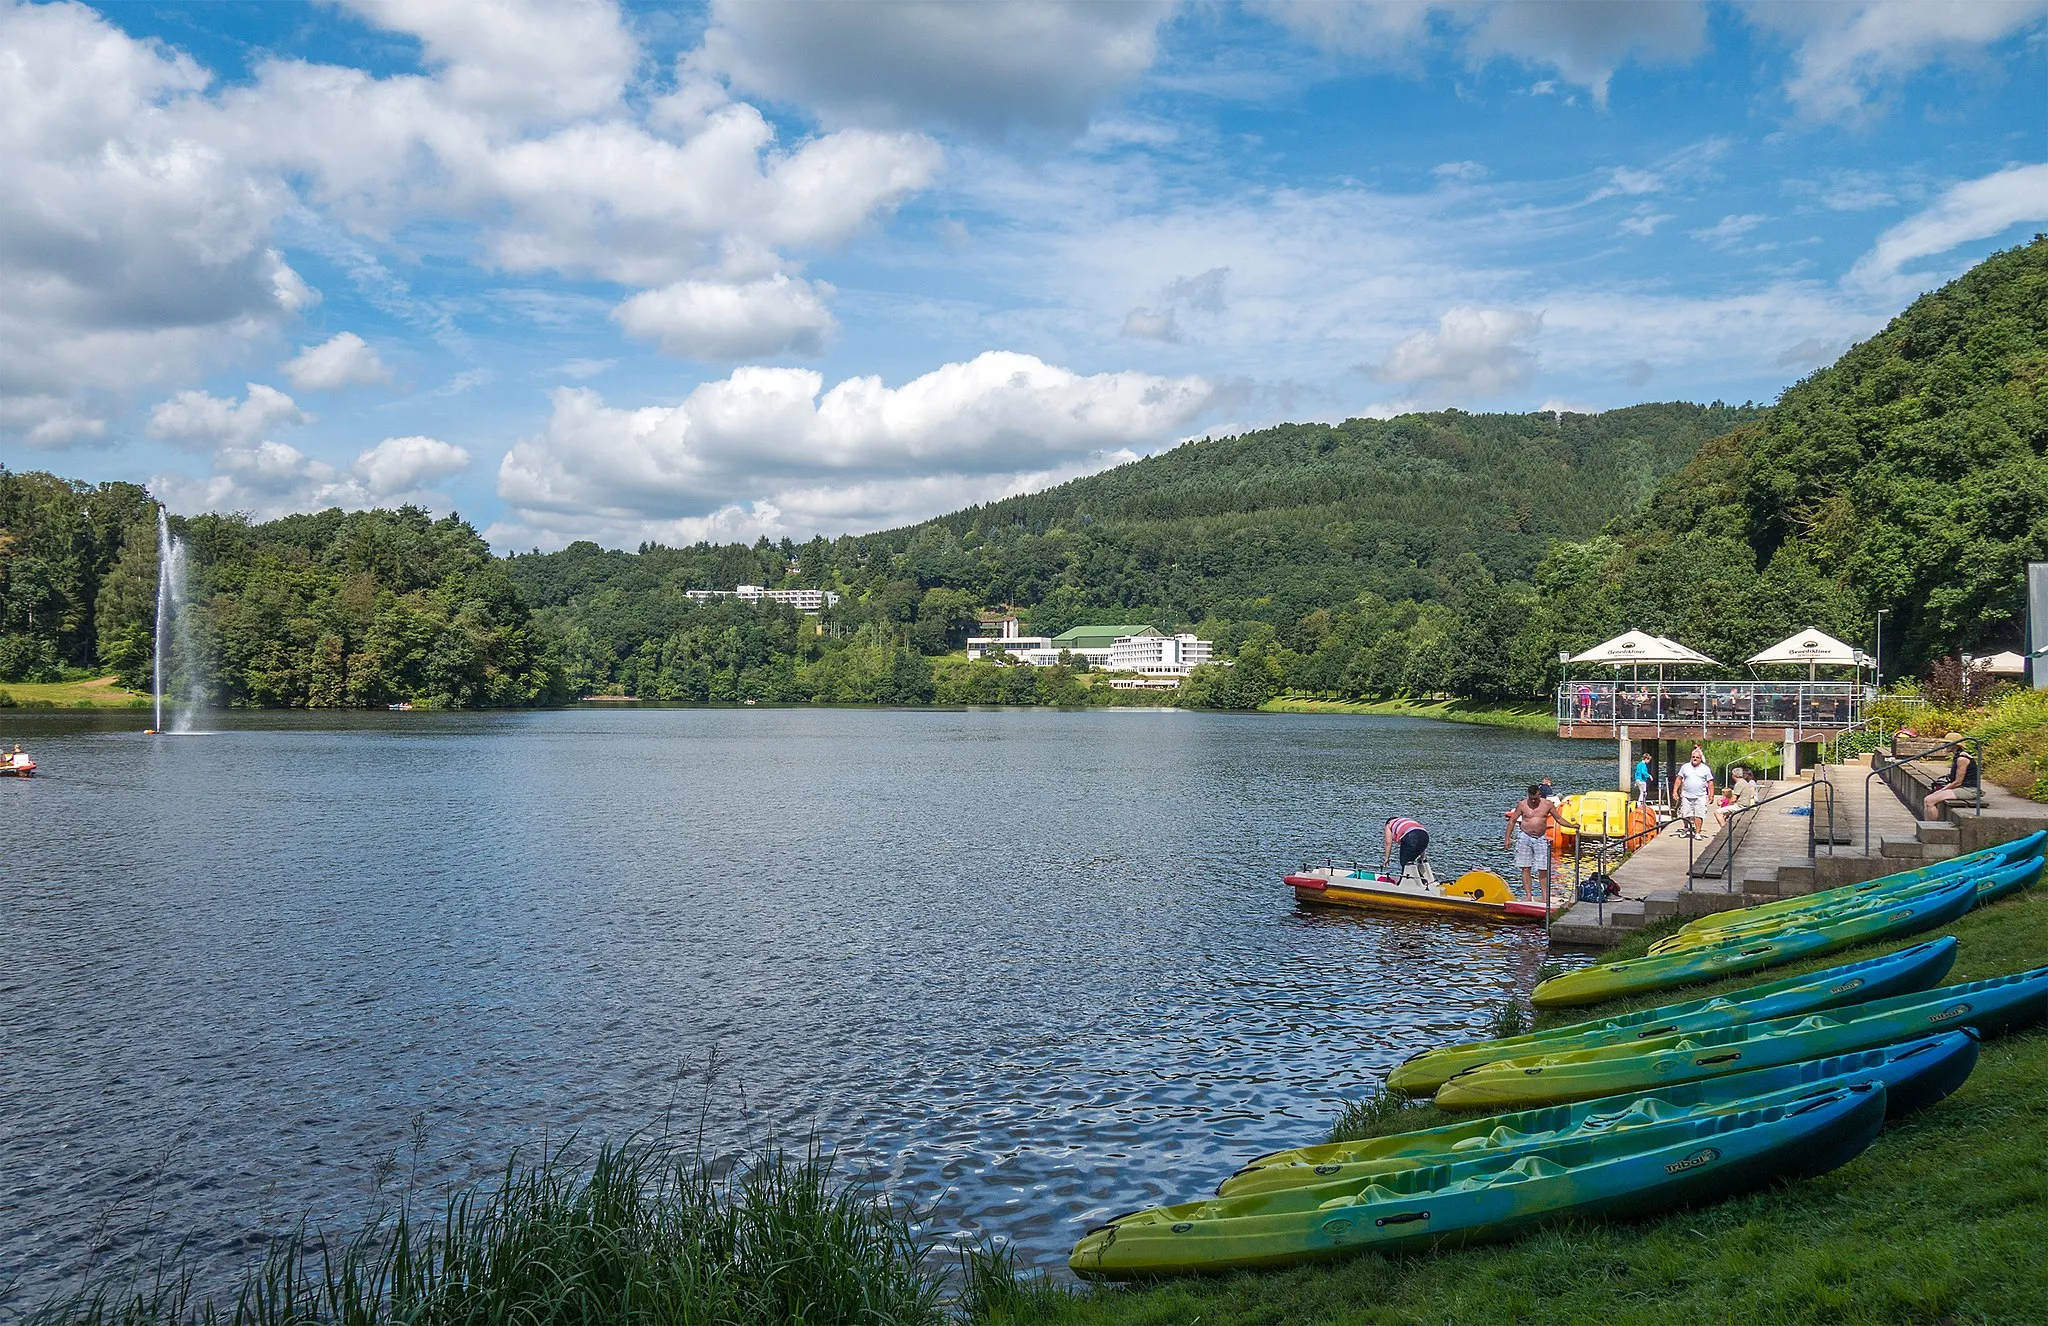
{"type": "Point", "coordinates": [1735, 822]}
{"type": "Point", "coordinates": [1976, 777]}
{"type": "Point", "coordinates": [1688, 705]}
{"type": "Point", "coordinates": [1607, 841]}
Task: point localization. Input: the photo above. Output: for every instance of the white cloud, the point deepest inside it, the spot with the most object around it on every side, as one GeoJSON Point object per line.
{"type": "Point", "coordinates": [1729, 229]}
{"type": "Point", "coordinates": [401, 464]}
{"type": "Point", "coordinates": [196, 419]}
{"type": "Point", "coordinates": [525, 57]}
{"type": "Point", "coordinates": [343, 360]}
{"type": "Point", "coordinates": [1477, 350]}
{"type": "Point", "coordinates": [1644, 222]}
{"type": "Point", "coordinates": [724, 321]}
{"type": "Point", "coordinates": [269, 479]}
{"type": "Point", "coordinates": [47, 421]}
{"type": "Point", "coordinates": [1152, 325]}
{"type": "Point", "coordinates": [1848, 51]}
{"type": "Point", "coordinates": [1460, 172]}
{"type": "Point", "coordinates": [830, 460]}
{"type": "Point", "coordinates": [1584, 41]}
{"type": "Point", "coordinates": [131, 249]}
{"type": "Point", "coordinates": [989, 67]}
{"type": "Point", "coordinates": [1974, 209]}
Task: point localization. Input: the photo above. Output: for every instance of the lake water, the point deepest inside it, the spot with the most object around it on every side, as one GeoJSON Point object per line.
{"type": "Point", "coordinates": [1029, 969]}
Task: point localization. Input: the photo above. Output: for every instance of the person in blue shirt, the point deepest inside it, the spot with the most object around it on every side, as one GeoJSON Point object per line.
{"type": "Point", "coordinates": [1642, 779]}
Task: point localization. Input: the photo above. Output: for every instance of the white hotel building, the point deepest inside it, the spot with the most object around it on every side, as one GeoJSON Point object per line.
{"type": "Point", "coordinates": [803, 600]}
{"type": "Point", "coordinates": [1159, 660]}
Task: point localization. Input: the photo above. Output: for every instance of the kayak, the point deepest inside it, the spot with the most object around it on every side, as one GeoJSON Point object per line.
{"type": "Point", "coordinates": [1479, 894]}
{"type": "Point", "coordinates": [1662, 971]}
{"type": "Point", "coordinates": [1993, 882]}
{"type": "Point", "coordinates": [2003, 854]}
{"type": "Point", "coordinates": [1989, 1007]}
{"type": "Point", "coordinates": [1915, 1075]}
{"type": "Point", "coordinates": [1655, 1168]}
{"type": "Point", "coordinates": [1903, 972]}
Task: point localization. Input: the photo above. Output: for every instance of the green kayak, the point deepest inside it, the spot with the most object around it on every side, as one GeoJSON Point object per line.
{"type": "Point", "coordinates": [1644, 1170]}
{"type": "Point", "coordinates": [1993, 882]}
{"type": "Point", "coordinates": [1987, 1006]}
{"type": "Point", "coordinates": [1902, 972]}
{"type": "Point", "coordinates": [2004, 854]}
{"type": "Point", "coordinates": [1915, 1074]}
{"type": "Point", "coordinates": [1612, 980]}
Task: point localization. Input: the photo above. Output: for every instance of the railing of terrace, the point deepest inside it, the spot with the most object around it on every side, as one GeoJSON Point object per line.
{"type": "Point", "coordinates": [1757, 706]}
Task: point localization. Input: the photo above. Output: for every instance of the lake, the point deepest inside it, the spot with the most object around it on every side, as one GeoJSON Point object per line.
{"type": "Point", "coordinates": [1028, 969]}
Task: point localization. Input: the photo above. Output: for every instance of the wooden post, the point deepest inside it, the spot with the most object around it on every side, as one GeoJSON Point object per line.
{"type": "Point", "coordinates": [1623, 762]}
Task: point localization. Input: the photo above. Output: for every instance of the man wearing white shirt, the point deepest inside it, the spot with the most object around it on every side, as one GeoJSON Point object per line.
{"type": "Point", "coordinates": [1695, 790]}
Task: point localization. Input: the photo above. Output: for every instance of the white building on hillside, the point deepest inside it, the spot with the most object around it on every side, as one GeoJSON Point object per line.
{"type": "Point", "coordinates": [803, 600]}
{"type": "Point", "coordinates": [1034, 649]}
{"type": "Point", "coordinates": [1156, 655]}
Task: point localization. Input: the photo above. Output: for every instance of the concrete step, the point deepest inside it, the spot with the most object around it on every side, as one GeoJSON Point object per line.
{"type": "Point", "coordinates": [1660, 906]}
{"type": "Point", "coordinates": [1765, 885]}
{"type": "Point", "coordinates": [1626, 915]}
{"type": "Point", "coordinates": [1912, 849]}
{"type": "Point", "coordinates": [1705, 902]}
{"type": "Point", "coordinates": [1939, 833]}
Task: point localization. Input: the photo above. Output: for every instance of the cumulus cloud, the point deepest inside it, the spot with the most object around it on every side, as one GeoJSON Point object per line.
{"type": "Point", "coordinates": [268, 479]}
{"type": "Point", "coordinates": [1583, 41]}
{"type": "Point", "coordinates": [131, 250]}
{"type": "Point", "coordinates": [343, 360]}
{"type": "Point", "coordinates": [402, 464]}
{"type": "Point", "coordinates": [856, 455]}
{"type": "Point", "coordinates": [1480, 350]}
{"type": "Point", "coordinates": [725, 321]}
{"type": "Point", "coordinates": [198, 420]}
{"type": "Point", "coordinates": [137, 231]}
{"type": "Point", "coordinates": [989, 67]}
{"type": "Point", "coordinates": [1847, 52]}
{"type": "Point", "coordinates": [1974, 209]}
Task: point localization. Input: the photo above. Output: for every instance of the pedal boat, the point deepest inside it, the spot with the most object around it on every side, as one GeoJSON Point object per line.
{"type": "Point", "coordinates": [26, 769]}
{"type": "Point", "coordinates": [1479, 894]}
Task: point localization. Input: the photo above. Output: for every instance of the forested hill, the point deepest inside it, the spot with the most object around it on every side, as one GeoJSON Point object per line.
{"type": "Point", "coordinates": [1910, 475]}
{"type": "Point", "coordinates": [1283, 520]}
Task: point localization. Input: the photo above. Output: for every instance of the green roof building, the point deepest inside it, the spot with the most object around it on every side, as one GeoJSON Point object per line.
{"type": "Point", "coordinates": [1097, 637]}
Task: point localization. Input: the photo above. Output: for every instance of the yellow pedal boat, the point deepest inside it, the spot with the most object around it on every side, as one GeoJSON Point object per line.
{"type": "Point", "coordinates": [1479, 894]}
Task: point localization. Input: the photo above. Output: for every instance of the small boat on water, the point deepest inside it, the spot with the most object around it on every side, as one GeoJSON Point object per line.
{"type": "Point", "coordinates": [17, 769]}
{"type": "Point", "coordinates": [1479, 894]}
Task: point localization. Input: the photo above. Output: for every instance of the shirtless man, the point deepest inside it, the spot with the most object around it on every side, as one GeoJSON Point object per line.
{"type": "Point", "coordinates": [1528, 824]}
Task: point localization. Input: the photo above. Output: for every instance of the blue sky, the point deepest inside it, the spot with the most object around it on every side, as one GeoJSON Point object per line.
{"type": "Point", "coordinates": [636, 273]}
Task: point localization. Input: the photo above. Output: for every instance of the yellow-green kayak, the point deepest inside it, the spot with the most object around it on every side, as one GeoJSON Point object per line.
{"type": "Point", "coordinates": [1902, 972]}
{"type": "Point", "coordinates": [1663, 971]}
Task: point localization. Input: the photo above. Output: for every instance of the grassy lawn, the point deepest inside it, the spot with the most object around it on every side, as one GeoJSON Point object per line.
{"type": "Point", "coordinates": [1533, 716]}
{"type": "Point", "coordinates": [97, 693]}
{"type": "Point", "coordinates": [1943, 1220]}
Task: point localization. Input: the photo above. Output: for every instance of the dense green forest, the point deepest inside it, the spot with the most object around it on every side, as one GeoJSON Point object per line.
{"type": "Point", "coordinates": [1441, 553]}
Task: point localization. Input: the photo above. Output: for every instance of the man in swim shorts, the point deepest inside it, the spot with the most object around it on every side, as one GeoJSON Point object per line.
{"type": "Point", "coordinates": [1528, 833]}
{"type": "Point", "coordinates": [1413, 841]}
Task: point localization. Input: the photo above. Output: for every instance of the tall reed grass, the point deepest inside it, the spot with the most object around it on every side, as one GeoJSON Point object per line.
{"type": "Point", "coordinates": [639, 1233]}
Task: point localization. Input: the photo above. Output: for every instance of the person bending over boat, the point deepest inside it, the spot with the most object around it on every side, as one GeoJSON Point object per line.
{"type": "Point", "coordinates": [1413, 841]}
{"type": "Point", "coordinates": [1529, 835]}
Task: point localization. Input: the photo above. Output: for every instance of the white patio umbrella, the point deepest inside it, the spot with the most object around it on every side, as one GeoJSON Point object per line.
{"type": "Point", "coordinates": [2006, 664]}
{"type": "Point", "coordinates": [1813, 647]}
{"type": "Point", "coordinates": [1691, 655]}
{"type": "Point", "coordinates": [1639, 647]}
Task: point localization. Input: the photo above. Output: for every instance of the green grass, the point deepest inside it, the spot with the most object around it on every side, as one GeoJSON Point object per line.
{"type": "Point", "coordinates": [1530, 716]}
{"type": "Point", "coordinates": [1942, 1220]}
{"type": "Point", "coordinates": [640, 1233]}
{"type": "Point", "coordinates": [96, 693]}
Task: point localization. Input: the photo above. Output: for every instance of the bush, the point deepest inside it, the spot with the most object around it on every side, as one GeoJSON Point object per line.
{"type": "Point", "coordinates": [28, 658]}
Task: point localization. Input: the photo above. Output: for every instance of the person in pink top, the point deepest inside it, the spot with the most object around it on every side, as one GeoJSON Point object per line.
{"type": "Point", "coordinates": [1413, 841]}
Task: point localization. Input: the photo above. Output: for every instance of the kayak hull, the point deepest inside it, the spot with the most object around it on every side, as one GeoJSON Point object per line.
{"type": "Point", "coordinates": [1915, 1074]}
{"type": "Point", "coordinates": [1496, 1198]}
{"type": "Point", "coordinates": [1592, 985]}
{"type": "Point", "coordinates": [1903, 972]}
{"type": "Point", "coordinates": [1987, 1007]}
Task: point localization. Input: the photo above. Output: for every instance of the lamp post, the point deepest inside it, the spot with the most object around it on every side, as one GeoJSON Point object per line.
{"type": "Point", "coordinates": [1877, 651]}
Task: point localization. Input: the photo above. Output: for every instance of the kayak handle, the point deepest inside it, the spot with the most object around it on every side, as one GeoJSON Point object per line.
{"type": "Point", "coordinates": [1655, 1031]}
{"type": "Point", "coordinates": [1405, 1218]}
{"type": "Point", "coordinates": [1718, 1058]}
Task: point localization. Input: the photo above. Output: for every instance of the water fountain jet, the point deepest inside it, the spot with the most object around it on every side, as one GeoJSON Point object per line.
{"type": "Point", "coordinates": [172, 635]}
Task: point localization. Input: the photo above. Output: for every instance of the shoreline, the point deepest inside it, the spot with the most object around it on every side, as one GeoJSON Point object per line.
{"type": "Point", "coordinates": [1526, 716]}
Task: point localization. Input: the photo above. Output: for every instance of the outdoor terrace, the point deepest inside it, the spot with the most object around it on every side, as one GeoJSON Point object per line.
{"type": "Point", "coordinates": [1728, 710]}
